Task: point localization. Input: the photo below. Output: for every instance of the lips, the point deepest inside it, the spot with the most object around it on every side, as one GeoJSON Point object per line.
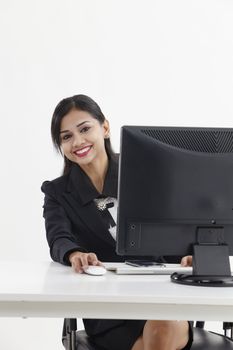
{"type": "Point", "coordinates": [82, 152]}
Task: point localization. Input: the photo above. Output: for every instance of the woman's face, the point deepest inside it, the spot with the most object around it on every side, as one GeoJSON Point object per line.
{"type": "Point", "coordinates": [82, 137]}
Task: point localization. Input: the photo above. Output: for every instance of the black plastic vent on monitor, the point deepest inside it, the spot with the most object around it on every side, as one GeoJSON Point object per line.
{"type": "Point", "coordinates": [208, 141]}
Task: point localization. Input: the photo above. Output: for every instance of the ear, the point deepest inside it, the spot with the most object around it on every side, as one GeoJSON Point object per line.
{"type": "Point", "coordinates": [106, 129]}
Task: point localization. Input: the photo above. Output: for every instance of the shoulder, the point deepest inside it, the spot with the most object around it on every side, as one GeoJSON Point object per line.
{"type": "Point", "coordinates": [55, 186]}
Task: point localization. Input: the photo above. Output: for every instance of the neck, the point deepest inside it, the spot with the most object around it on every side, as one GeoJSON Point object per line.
{"type": "Point", "coordinates": [96, 171]}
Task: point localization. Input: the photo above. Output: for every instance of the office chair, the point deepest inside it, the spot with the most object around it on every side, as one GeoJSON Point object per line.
{"type": "Point", "coordinates": [203, 339]}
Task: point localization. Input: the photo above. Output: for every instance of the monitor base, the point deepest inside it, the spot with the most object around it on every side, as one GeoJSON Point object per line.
{"type": "Point", "coordinates": [202, 280]}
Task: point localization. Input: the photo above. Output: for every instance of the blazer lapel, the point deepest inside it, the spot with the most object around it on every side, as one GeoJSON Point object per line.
{"type": "Point", "coordinates": [87, 212]}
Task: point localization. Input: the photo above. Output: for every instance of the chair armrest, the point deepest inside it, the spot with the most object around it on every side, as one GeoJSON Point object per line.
{"type": "Point", "coordinates": [69, 333]}
{"type": "Point", "coordinates": [228, 329]}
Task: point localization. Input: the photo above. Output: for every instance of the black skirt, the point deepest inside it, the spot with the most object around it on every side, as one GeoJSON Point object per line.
{"type": "Point", "coordinates": [124, 335]}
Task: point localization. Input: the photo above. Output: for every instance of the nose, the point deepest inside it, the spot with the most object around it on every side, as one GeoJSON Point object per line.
{"type": "Point", "coordinates": [77, 140]}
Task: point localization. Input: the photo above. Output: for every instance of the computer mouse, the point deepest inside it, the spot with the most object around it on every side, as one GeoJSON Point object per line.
{"type": "Point", "coordinates": [95, 270]}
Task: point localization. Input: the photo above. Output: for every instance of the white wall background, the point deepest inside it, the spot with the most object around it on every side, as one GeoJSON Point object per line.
{"type": "Point", "coordinates": [158, 62]}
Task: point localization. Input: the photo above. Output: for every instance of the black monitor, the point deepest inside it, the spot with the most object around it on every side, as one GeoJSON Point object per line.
{"type": "Point", "coordinates": [176, 198]}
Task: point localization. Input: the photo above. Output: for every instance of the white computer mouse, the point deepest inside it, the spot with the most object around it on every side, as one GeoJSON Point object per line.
{"type": "Point", "coordinates": [95, 270]}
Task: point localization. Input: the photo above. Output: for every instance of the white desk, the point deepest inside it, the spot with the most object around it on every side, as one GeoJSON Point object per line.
{"type": "Point", "coordinates": [47, 289]}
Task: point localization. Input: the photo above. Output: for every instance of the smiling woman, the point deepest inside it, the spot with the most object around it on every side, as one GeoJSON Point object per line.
{"type": "Point", "coordinates": [80, 216]}
{"type": "Point", "coordinates": [74, 124]}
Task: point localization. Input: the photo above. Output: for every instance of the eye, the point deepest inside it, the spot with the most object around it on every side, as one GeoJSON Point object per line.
{"type": "Point", "coordinates": [66, 137]}
{"type": "Point", "coordinates": [84, 129]}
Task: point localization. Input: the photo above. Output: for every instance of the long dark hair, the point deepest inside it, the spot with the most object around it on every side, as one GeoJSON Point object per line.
{"type": "Point", "coordinates": [82, 103]}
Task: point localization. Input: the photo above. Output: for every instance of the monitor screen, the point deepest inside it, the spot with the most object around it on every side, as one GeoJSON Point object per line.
{"type": "Point", "coordinates": [175, 191]}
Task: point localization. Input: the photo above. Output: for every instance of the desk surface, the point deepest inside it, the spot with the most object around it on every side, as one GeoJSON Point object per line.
{"type": "Point", "coordinates": [48, 289]}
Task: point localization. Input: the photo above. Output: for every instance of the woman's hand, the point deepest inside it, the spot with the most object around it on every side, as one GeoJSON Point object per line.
{"type": "Point", "coordinates": [80, 261]}
{"type": "Point", "coordinates": [187, 261]}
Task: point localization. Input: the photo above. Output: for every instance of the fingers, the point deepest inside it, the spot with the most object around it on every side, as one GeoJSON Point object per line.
{"type": "Point", "coordinates": [184, 261]}
{"type": "Point", "coordinates": [187, 260]}
{"type": "Point", "coordinates": [75, 261]}
{"type": "Point", "coordinates": [80, 261]}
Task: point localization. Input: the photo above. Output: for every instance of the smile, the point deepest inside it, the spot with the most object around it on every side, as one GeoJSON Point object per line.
{"type": "Point", "coordinates": [83, 152]}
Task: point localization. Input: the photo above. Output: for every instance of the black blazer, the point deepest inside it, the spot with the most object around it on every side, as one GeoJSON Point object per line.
{"type": "Point", "coordinates": [74, 223]}
{"type": "Point", "coordinates": [71, 218]}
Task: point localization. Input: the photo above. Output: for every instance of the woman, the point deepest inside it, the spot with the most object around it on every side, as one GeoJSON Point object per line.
{"type": "Point", "coordinates": [79, 212]}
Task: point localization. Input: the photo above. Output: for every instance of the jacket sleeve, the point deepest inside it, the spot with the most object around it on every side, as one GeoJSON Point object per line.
{"type": "Point", "coordinates": [58, 227]}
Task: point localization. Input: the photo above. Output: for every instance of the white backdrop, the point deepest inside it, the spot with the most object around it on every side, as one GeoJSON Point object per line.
{"type": "Point", "coordinates": [158, 62]}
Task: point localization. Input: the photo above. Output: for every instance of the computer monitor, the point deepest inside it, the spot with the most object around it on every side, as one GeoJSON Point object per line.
{"type": "Point", "coordinates": [176, 198]}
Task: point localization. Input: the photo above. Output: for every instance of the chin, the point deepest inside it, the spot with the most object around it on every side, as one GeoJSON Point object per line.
{"type": "Point", "coordinates": [83, 161]}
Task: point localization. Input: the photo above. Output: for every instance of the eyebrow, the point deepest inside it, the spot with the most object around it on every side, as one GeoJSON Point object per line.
{"type": "Point", "coordinates": [86, 121]}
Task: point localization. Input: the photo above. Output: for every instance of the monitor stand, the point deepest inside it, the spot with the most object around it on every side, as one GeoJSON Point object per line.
{"type": "Point", "coordinates": [211, 264]}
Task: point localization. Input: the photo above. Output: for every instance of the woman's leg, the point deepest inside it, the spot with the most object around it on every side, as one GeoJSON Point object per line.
{"type": "Point", "coordinates": [163, 335]}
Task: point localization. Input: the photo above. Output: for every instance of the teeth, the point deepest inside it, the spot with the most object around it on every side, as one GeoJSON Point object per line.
{"type": "Point", "coordinates": [83, 150]}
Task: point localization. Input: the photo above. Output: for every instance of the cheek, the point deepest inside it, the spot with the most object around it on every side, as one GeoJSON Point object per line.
{"type": "Point", "coordinates": [64, 149]}
{"type": "Point", "coordinates": [100, 141]}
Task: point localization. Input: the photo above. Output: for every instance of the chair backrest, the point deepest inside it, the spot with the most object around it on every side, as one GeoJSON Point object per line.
{"type": "Point", "coordinates": [203, 339]}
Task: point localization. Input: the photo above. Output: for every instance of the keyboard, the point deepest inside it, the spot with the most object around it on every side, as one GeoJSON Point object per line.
{"type": "Point", "coordinates": [165, 269]}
